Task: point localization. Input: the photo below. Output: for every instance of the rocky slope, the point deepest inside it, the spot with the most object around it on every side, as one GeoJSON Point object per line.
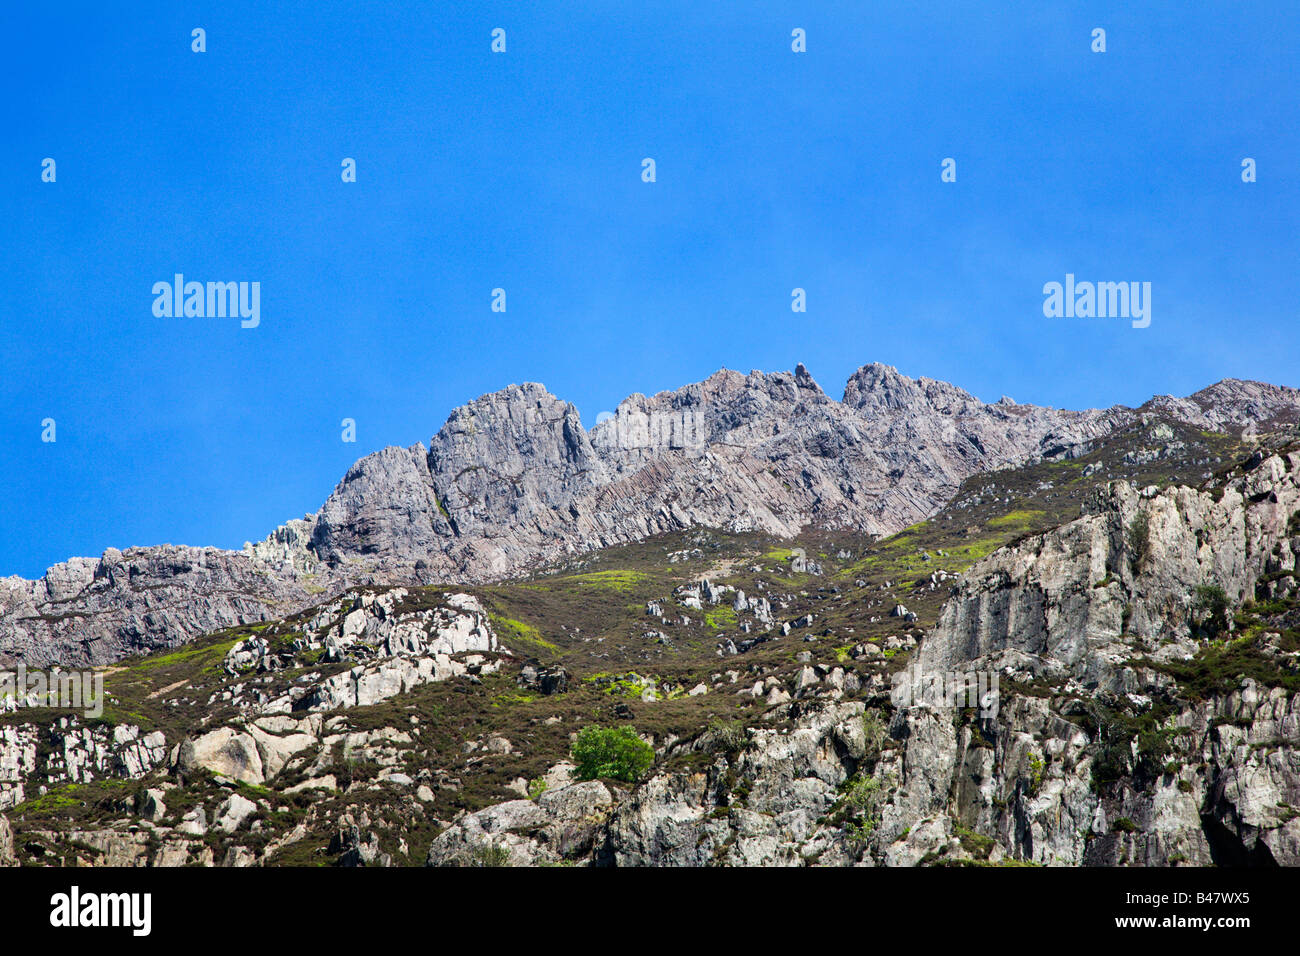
{"type": "Point", "coordinates": [513, 481]}
{"type": "Point", "coordinates": [1159, 729]}
{"type": "Point", "coordinates": [1135, 608]}
{"type": "Point", "coordinates": [1127, 732]}
{"type": "Point", "coordinates": [97, 610]}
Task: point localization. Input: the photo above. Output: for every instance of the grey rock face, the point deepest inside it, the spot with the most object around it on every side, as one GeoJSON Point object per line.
{"type": "Point", "coordinates": [791, 781]}
{"type": "Point", "coordinates": [514, 480]}
{"type": "Point", "coordinates": [358, 847]}
{"type": "Point", "coordinates": [93, 611]}
{"type": "Point", "coordinates": [562, 823]}
{"type": "Point", "coordinates": [67, 752]}
{"type": "Point", "coordinates": [1075, 623]}
{"type": "Point", "coordinates": [1074, 608]}
{"type": "Point", "coordinates": [226, 752]}
{"type": "Point", "coordinates": [1056, 603]}
{"type": "Point", "coordinates": [386, 503]}
{"type": "Point", "coordinates": [1224, 798]}
{"type": "Point", "coordinates": [7, 857]}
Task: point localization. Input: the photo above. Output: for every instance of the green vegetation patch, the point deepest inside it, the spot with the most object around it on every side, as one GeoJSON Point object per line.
{"type": "Point", "coordinates": [1220, 668]}
{"type": "Point", "coordinates": [724, 615]}
{"type": "Point", "coordinates": [621, 581]}
{"type": "Point", "coordinates": [511, 631]}
{"type": "Point", "coordinates": [199, 656]}
{"type": "Point", "coordinates": [1017, 519]}
{"type": "Point", "coordinates": [611, 753]}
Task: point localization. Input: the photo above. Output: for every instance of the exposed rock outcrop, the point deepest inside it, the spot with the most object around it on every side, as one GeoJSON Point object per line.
{"type": "Point", "coordinates": [1073, 601]}
{"type": "Point", "coordinates": [513, 480]}
{"type": "Point", "coordinates": [7, 857]}
{"type": "Point", "coordinates": [95, 611]}
{"type": "Point", "coordinates": [1132, 725]}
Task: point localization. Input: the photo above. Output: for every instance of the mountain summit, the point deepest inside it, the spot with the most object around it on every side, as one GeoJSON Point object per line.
{"type": "Point", "coordinates": [513, 481]}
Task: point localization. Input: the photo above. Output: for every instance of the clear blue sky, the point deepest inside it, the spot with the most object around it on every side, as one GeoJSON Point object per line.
{"type": "Point", "coordinates": [522, 170]}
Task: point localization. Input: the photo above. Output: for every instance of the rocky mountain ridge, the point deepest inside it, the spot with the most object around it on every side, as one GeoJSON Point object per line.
{"type": "Point", "coordinates": [1141, 634]}
{"type": "Point", "coordinates": [513, 481]}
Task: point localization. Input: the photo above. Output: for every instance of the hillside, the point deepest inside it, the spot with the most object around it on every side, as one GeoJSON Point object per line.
{"type": "Point", "coordinates": [1131, 585]}
{"type": "Point", "coordinates": [513, 482]}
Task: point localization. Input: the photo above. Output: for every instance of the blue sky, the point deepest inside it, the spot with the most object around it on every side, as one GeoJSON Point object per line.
{"type": "Point", "coordinates": [522, 170]}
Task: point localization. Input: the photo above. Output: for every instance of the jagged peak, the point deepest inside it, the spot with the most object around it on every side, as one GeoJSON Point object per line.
{"type": "Point", "coordinates": [1236, 388]}
{"type": "Point", "coordinates": [509, 408]}
{"type": "Point", "coordinates": [388, 458]}
{"type": "Point", "coordinates": [726, 382]}
{"type": "Point", "coordinates": [522, 392]}
{"type": "Point", "coordinates": [803, 378]}
{"type": "Point", "coordinates": [876, 385]}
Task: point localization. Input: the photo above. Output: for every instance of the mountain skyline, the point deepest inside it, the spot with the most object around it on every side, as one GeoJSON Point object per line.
{"type": "Point", "coordinates": [1087, 656]}
{"type": "Point", "coordinates": [632, 399]}
{"type": "Point", "coordinates": [776, 171]}
{"type": "Point", "coordinates": [513, 481]}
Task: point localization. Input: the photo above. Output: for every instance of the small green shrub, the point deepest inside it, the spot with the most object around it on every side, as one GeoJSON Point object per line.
{"type": "Point", "coordinates": [613, 753]}
{"type": "Point", "coordinates": [1211, 611]}
{"type": "Point", "coordinates": [726, 736]}
{"type": "Point", "coordinates": [976, 845]}
{"type": "Point", "coordinates": [1036, 770]}
{"type": "Point", "coordinates": [1139, 542]}
{"type": "Point", "coordinates": [489, 855]}
{"type": "Point", "coordinates": [874, 732]}
{"type": "Point", "coordinates": [860, 808]}
{"type": "Point", "coordinates": [862, 796]}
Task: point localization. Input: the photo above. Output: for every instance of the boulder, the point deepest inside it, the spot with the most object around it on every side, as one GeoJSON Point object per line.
{"type": "Point", "coordinates": [232, 813]}
{"type": "Point", "coordinates": [224, 751]}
